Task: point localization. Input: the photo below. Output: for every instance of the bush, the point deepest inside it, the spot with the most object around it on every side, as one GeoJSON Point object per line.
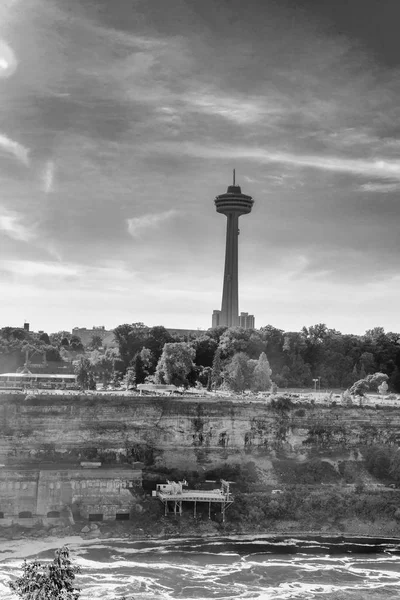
{"type": "Point", "coordinates": [307, 472]}
{"type": "Point", "coordinates": [378, 460]}
{"type": "Point", "coordinates": [282, 403]}
{"type": "Point", "coordinates": [244, 475]}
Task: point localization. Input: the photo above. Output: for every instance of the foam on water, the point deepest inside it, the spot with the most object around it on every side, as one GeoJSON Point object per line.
{"type": "Point", "coordinates": [234, 569]}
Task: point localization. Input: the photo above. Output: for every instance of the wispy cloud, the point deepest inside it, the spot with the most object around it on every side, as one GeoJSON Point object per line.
{"type": "Point", "coordinates": [8, 61]}
{"type": "Point", "coordinates": [138, 225]}
{"type": "Point", "coordinates": [34, 269]}
{"type": "Point", "coordinates": [48, 176]}
{"type": "Point", "coordinates": [382, 168]}
{"type": "Point", "coordinates": [13, 147]}
{"type": "Point", "coordinates": [10, 225]}
{"type": "Point", "coordinates": [239, 110]}
{"type": "Point", "coordinates": [383, 188]}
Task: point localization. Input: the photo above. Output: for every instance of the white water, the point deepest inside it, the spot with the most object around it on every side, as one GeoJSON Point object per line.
{"type": "Point", "coordinates": [220, 569]}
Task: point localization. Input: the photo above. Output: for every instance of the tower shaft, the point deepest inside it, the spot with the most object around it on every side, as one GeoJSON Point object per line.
{"type": "Point", "coordinates": [232, 204]}
{"type": "Point", "coordinates": [230, 293]}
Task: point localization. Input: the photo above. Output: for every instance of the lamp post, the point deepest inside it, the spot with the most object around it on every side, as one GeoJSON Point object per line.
{"type": "Point", "coordinates": [315, 381]}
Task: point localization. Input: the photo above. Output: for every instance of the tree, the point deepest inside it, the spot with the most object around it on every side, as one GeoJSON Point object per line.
{"type": "Point", "coordinates": [44, 337]}
{"type": "Point", "coordinates": [52, 353]}
{"type": "Point", "coordinates": [138, 368]}
{"type": "Point", "coordinates": [359, 388]}
{"type": "Point", "coordinates": [96, 342]}
{"type": "Point", "coordinates": [175, 364]}
{"type": "Point", "coordinates": [84, 373]}
{"type": "Point", "coordinates": [216, 375]}
{"type": "Point", "coordinates": [54, 581]}
{"type": "Point", "coordinates": [273, 338]}
{"type": "Point", "coordinates": [374, 334]}
{"type": "Point", "coordinates": [130, 340]}
{"type": "Point", "coordinates": [383, 388]}
{"type": "Point", "coordinates": [367, 362]}
{"type": "Point", "coordinates": [205, 347]}
{"type": "Point", "coordinates": [261, 378]}
{"type": "Point", "coordinates": [369, 383]}
{"type": "Point", "coordinates": [237, 372]}
{"type": "Point", "coordinates": [75, 344]}
{"type": "Point", "coordinates": [103, 365]}
{"type": "Point", "coordinates": [204, 377]}
{"type": "Point", "coordinates": [157, 336]}
{"type": "Point", "coordinates": [237, 339]}
{"type": "Point", "coordinates": [395, 380]}
{"type": "Point", "coordinates": [129, 378]}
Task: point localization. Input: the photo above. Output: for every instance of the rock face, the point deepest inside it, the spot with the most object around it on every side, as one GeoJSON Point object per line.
{"type": "Point", "coordinates": [180, 431]}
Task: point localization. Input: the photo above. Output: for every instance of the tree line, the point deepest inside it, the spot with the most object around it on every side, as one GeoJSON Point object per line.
{"type": "Point", "coordinates": [234, 357]}
{"type": "Point", "coordinates": [286, 359]}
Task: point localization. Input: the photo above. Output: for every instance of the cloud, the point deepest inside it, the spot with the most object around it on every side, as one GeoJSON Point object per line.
{"type": "Point", "coordinates": [10, 225]}
{"type": "Point", "coordinates": [48, 176]}
{"type": "Point", "coordinates": [239, 110]}
{"type": "Point", "coordinates": [8, 61]}
{"type": "Point", "coordinates": [382, 168]}
{"type": "Point", "coordinates": [18, 150]}
{"type": "Point", "coordinates": [29, 268]}
{"type": "Point", "coordinates": [138, 225]}
{"type": "Point", "coordinates": [384, 188]}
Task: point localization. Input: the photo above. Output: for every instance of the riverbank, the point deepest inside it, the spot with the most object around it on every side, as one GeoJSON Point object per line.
{"type": "Point", "coordinates": [184, 528]}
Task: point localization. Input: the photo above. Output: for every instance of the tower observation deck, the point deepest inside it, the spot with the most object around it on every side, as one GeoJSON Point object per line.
{"type": "Point", "coordinates": [233, 204]}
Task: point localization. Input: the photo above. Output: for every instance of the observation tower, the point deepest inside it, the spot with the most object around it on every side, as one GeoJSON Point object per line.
{"type": "Point", "coordinates": [233, 204]}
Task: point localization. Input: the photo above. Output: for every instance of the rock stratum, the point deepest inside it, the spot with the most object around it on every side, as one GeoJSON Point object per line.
{"type": "Point", "coordinates": [185, 432]}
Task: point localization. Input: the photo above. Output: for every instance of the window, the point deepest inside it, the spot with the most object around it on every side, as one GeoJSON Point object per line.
{"type": "Point", "coordinates": [25, 514]}
{"type": "Point", "coordinates": [1, 515]}
{"type": "Point", "coordinates": [122, 517]}
{"type": "Point", "coordinates": [53, 514]}
{"type": "Point", "coordinates": [95, 516]}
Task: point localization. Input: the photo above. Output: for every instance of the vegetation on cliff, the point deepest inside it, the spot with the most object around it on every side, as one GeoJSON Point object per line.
{"type": "Point", "coordinates": [336, 360]}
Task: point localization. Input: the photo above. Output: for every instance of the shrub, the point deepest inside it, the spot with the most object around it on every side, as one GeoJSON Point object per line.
{"type": "Point", "coordinates": [282, 403]}
{"type": "Point", "coordinates": [55, 581]}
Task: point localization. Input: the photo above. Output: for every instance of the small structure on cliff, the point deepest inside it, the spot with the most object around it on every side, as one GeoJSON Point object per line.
{"type": "Point", "coordinates": [44, 381]}
{"type": "Point", "coordinates": [157, 388]}
{"type": "Point", "coordinates": [172, 495]}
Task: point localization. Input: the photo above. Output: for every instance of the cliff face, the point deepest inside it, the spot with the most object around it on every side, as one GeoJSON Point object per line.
{"type": "Point", "coordinates": [186, 432]}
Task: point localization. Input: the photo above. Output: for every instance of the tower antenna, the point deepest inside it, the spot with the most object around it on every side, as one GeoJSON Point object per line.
{"type": "Point", "coordinates": [234, 176]}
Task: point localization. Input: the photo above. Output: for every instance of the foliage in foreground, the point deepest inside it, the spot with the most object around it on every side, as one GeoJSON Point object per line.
{"type": "Point", "coordinates": [54, 581]}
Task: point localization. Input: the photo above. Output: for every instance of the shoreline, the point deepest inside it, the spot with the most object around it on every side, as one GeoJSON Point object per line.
{"type": "Point", "coordinates": [27, 546]}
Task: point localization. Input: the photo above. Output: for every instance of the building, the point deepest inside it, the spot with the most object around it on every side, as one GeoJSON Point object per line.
{"type": "Point", "coordinates": [233, 204]}
{"type": "Point", "coordinates": [246, 321]}
{"type": "Point", "coordinates": [216, 318]}
{"type": "Point", "coordinates": [32, 496]}
{"type": "Point", "coordinates": [86, 335]}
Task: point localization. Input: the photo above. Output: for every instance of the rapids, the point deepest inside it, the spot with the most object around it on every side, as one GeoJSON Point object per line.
{"type": "Point", "coordinates": [276, 568]}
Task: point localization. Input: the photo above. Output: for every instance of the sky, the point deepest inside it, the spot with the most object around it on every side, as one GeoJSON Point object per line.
{"type": "Point", "coordinates": [121, 121]}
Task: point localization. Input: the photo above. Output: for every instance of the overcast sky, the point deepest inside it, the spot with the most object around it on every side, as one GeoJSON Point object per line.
{"type": "Point", "coordinates": [122, 120]}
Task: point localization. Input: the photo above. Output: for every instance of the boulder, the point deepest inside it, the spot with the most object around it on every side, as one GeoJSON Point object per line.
{"type": "Point", "coordinates": [86, 529]}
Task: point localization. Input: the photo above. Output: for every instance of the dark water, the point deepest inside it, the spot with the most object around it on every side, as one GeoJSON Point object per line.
{"type": "Point", "coordinates": [278, 568]}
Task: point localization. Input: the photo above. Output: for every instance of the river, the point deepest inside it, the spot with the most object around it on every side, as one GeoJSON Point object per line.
{"type": "Point", "coordinates": [264, 568]}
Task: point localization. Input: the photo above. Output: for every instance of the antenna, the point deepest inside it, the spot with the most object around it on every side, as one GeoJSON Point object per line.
{"type": "Point", "coordinates": [234, 176]}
